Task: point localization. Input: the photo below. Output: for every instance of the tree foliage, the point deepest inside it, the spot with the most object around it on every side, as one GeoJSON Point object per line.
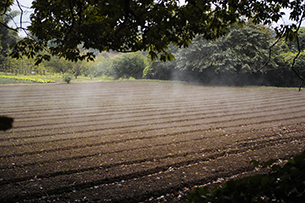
{"type": "Point", "coordinates": [129, 65]}
{"type": "Point", "coordinates": [7, 36]}
{"type": "Point", "coordinates": [243, 49]}
{"type": "Point", "coordinates": [298, 66]}
{"type": "Point", "coordinates": [148, 25]}
{"type": "Point", "coordinates": [293, 45]}
{"type": "Point", "coordinates": [242, 57]}
{"type": "Point", "coordinates": [59, 65]}
{"type": "Point", "coordinates": [101, 67]}
{"type": "Point", "coordinates": [163, 70]}
{"type": "Point", "coordinates": [4, 8]}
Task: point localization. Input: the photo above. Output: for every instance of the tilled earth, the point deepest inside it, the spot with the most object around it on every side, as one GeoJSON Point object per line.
{"type": "Point", "coordinates": [139, 141]}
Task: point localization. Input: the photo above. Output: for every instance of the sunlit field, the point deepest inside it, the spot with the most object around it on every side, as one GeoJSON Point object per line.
{"type": "Point", "coordinates": [139, 141]}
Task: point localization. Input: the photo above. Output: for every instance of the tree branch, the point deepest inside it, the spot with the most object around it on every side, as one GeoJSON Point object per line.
{"type": "Point", "coordinates": [8, 27]}
{"type": "Point", "coordinates": [21, 12]}
{"type": "Point", "coordinates": [270, 51]}
{"type": "Point", "coordinates": [295, 58]}
{"type": "Point", "coordinates": [293, 62]}
{"type": "Point", "coordinates": [299, 51]}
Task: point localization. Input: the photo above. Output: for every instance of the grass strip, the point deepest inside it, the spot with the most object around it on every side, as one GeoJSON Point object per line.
{"type": "Point", "coordinates": [27, 79]}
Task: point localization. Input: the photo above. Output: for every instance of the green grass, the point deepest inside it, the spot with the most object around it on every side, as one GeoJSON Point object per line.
{"type": "Point", "coordinates": [27, 79]}
{"type": "Point", "coordinates": [11, 81]}
{"type": "Point", "coordinates": [7, 78]}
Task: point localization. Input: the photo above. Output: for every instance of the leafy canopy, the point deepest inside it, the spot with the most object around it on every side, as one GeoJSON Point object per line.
{"type": "Point", "coordinates": [242, 50]}
{"type": "Point", "coordinates": [4, 7]}
{"type": "Point", "coordinates": [7, 36]}
{"type": "Point", "coordinates": [148, 25]}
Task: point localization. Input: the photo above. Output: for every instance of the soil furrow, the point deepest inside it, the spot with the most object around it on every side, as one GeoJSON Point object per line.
{"type": "Point", "coordinates": [144, 115]}
{"type": "Point", "coordinates": [189, 157]}
{"type": "Point", "coordinates": [29, 150]}
{"type": "Point", "coordinates": [133, 141]}
{"type": "Point", "coordinates": [74, 110]}
{"type": "Point", "coordinates": [167, 139]}
{"type": "Point", "coordinates": [164, 175]}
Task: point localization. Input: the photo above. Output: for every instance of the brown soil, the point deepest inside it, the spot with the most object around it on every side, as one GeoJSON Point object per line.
{"type": "Point", "coordinates": [139, 141]}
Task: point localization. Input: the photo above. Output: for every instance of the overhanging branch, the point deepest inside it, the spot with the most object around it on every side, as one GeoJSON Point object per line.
{"type": "Point", "coordinates": [21, 12]}
{"type": "Point", "coordinates": [297, 55]}
{"type": "Point", "coordinates": [270, 51]}
{"type": "Point", "coordinates": [8, 27]}
{"type": "Point", "coordinates": [293, 62]}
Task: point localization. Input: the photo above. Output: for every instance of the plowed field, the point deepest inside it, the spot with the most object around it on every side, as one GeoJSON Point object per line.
{"type": "Point", "coordinates": [133, 141]}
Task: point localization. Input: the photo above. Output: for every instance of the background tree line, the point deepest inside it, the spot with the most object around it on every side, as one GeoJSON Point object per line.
{"type": "Point", "coordinates": [241, 57]}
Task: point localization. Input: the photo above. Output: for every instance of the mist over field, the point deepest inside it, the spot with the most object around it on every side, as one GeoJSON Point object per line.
{"type": "Point", "coordinates": [139, 141]}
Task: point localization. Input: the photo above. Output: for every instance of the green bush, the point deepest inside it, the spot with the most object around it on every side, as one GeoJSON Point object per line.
{"type": "Point", "coordinates": [129, 65]}
{"type": "Point", "coordinates": [67, 78]}
{"type": "Point", "coordinates": [101, 67]}
{"type": "Point", "coordinates": [282, 184]}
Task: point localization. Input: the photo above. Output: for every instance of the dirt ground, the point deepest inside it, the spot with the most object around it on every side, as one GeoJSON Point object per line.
{"type": "Point", "coordinates": [140, 141]}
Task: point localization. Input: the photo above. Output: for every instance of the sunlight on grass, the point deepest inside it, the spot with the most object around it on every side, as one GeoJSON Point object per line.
{"type": "Point", "coordinates": [25, 78]}
{"type": "Point", "coordinates": [8, 78]}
